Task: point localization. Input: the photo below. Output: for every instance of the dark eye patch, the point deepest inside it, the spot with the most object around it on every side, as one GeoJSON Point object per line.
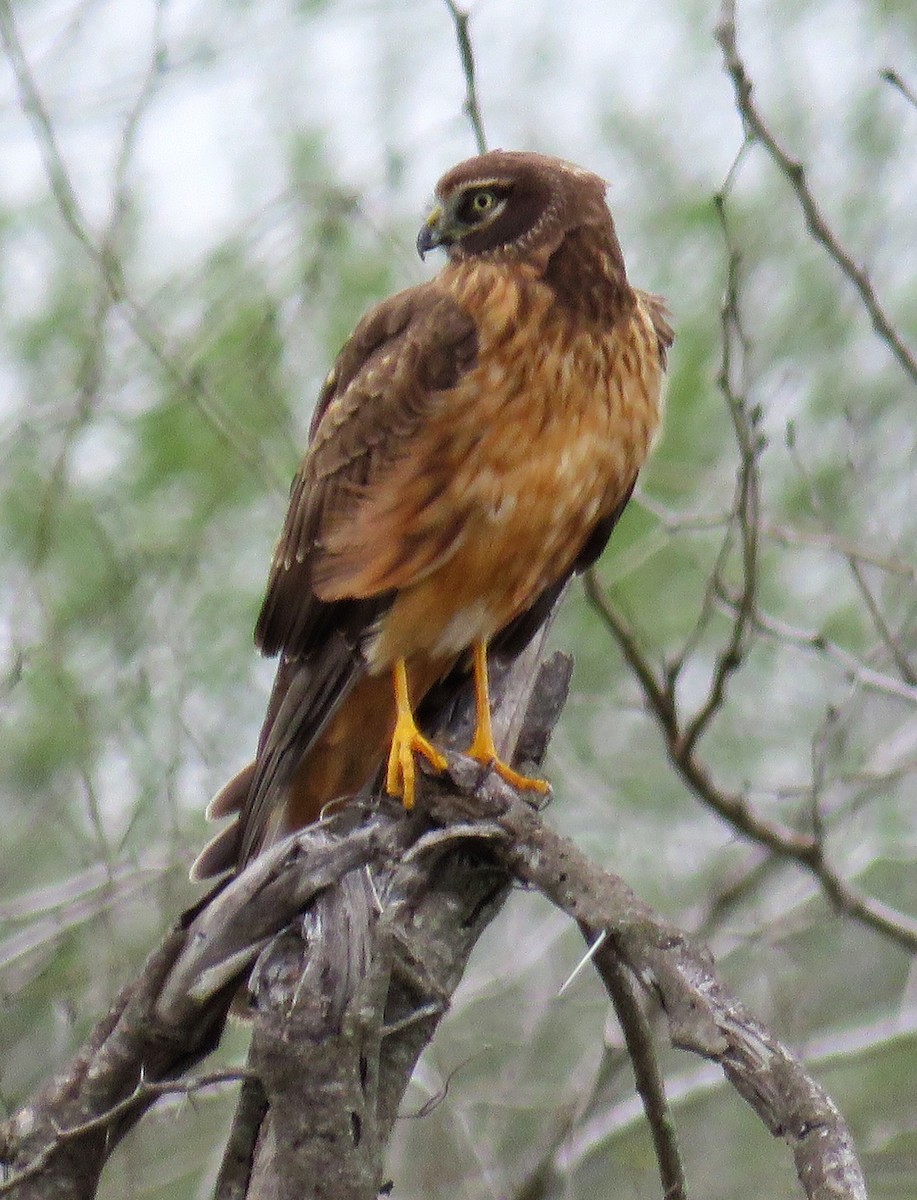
{"type": "Point", "coordinates": [468, 213]}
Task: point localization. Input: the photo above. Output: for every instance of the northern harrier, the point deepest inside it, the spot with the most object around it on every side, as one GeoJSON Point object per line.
{"type": "Point", "coordinates": [474, 445]}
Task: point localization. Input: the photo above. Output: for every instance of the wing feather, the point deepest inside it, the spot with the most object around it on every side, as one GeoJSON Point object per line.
{"type": "Point", "coordinates": [390, 375]}
{"type": "Point", "coordinates": [327, 589]}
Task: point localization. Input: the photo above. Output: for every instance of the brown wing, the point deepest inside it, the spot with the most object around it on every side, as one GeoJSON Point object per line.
{"type": "Point", "coordinates": [387, 380]}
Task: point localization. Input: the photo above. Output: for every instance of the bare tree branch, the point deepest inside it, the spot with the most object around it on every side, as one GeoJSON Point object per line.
{"type": "Point", "coordinates": [55, 1147]}
{"type": "Point", "coordinates": [144, 1095]}
{"type": "Point", "coordinates": [647, 1075]}
{"type": "Point", "coordinates": [701, 1014]}
{"type": "Point", "coordinates": [819, 643]}
{"type": "Point", "coordinates": [345, 996]}
{"type": "Point", "coordinates": [682, 731]}
{"type": "Point", "coordinates": [187, 380]}
{"type": "Point", "coordinates": [588, 1137]}
{"type": "Point", "coordinates": [838, 545]}
{"type": "Point", "coordinates": [460, 18]}
{"type": "Point", "coordinates": [804, 849]}
{"type": "Point", "coordinates": [235, 1170]}
{"type": "Point", "coordinates": [795, 174]}
{"type": "Point", "coordinates": [888, 638]}
{"type": "Point", "coordinates": [746, 505]}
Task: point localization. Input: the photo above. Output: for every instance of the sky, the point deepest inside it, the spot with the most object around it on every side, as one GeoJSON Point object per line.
{"type": "Point", "coordinates": [382, 81]}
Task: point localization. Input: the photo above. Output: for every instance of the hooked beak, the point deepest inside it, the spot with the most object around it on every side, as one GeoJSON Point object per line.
{"type": "Point", "coordinates": [432, 232]}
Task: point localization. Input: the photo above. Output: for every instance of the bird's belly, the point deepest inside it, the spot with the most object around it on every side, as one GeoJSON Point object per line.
{"type": "Point", "coordinates": [531, 506]}
{"type": "Point", "coordinates": [556, 443]}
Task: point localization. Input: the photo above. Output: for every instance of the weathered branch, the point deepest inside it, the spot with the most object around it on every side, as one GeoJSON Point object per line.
{"type": "Point", "coordinates": [702, 1015]}
{"type": "Point", "coordinates": [173, 1014]}
{"type": "Point", "coordinates": [361, 928]}
{"type": "Point", "coordinates": [56, 1145]}
{"type": "Point", "coordinates": [344, 1003]}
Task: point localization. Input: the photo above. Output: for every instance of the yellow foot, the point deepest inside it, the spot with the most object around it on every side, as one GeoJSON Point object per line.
{"type": "Point", "coordinates": [407, 740]}
{"type": "Point", "coordinates": [482, 748]}
{"type": "Point", "coordinates": [487, 757]}
{"type": "Point", "coordinates": [402, 771]}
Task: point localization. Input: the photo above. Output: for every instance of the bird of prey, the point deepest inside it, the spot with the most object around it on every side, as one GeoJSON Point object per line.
{"type": "Point", "coordinates": [474, 445]}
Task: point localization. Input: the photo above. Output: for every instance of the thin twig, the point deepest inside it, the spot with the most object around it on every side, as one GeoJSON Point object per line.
{"type": "Point", "coordinates": [862, 779]}
{"type": "Point", "coordinates": [678, 522]}
{"type": "Point", "coordinates": [794, 172]}
{"type": "Point", "coordinates": [819, 643]}
{"type": "Point", "coordinates": [746, 507]}
{"type": "Point", "coordinates": [647, 1075]}
{"type": "Point", "coordinates": [734, 343]}
{"type": "Point", "coordinates": [890, 75]}
{"type": "Point", "coordinates": [890, 641]}
{"type": "Point", "coordinates": [142, 324]}
{"type": "Point", "coordinates": [460, 18]}
{"type": "Point", "coordinates": [143, 1095]}
{"type": "Point", "coordinates": [834, 543]}
{"type": "Point", "coordinates": [733, 807]}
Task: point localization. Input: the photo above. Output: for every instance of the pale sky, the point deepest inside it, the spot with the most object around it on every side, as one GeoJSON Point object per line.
{"type": "Point", "coordinates": [383, 79]}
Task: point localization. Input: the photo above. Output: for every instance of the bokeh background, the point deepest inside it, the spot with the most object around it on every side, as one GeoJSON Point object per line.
{"type": "Point", "coordinates": [198, 198]}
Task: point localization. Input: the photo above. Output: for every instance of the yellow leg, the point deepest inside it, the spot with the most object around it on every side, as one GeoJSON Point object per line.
{"type": "Point", "coordinates": [482, 746]}
{"type": "Point", "coordinates": [407, 740]}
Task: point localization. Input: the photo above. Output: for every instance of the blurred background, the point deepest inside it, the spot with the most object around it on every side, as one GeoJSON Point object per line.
{"type": "Point", "coordinates": [198, 199]}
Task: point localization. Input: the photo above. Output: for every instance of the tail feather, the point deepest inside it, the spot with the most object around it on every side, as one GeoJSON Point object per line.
{"type": "Point", "coordinates": [221, 854]}
{"type": "Point", "coordinates": [305, 698]}
{"type": "Point", "coordinates": [313, 694]}
{"type": "Point", "coordinates": [232, 795]}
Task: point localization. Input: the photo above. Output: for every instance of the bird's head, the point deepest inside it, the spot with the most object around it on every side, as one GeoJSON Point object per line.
{"type": "Point", "coordinates": [507, 203]}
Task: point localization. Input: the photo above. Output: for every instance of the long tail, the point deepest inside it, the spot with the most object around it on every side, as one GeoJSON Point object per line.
{"type": "Point", "coordinates": [304, 700]}
{"type": "Point", "coordinates": [327, 731]}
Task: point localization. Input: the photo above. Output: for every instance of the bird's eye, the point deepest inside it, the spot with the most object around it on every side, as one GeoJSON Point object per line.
{"type": "Point", "coordinates": [481, 203]}
{"type": "Point", "coordinates": [478, 203]}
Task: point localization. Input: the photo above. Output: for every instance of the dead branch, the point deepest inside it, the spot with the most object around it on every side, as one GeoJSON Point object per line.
{"type": "Point", "coordinates": [891, 641]}
{"type": "Point", "coordinates": [794, 172]}
{"type": "Point", "coordinates": [701, 1014]}
{"type": "Point", "coordinates": [832, 542]}
{"type": "Point", "coordinates": [805, 849]}
{"type": "Point", "coordinates": [745, 516]}
{"type": "Point", "coordinates": [56, 1145]}
{"type": "Point", "coordinates": [173, 1013]}
{"type": "Point", "coordinates": [359, 930]}
{"type": "Point", "coordinates": [683, 728]}
{"type": "Point", "coordinates": [622, 988]}
{"type": "Point", "coordinates": [817, 642]}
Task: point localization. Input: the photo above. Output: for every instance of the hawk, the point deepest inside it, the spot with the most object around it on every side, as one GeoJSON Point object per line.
{"type": "Point", "coordinates": [474, 445]}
